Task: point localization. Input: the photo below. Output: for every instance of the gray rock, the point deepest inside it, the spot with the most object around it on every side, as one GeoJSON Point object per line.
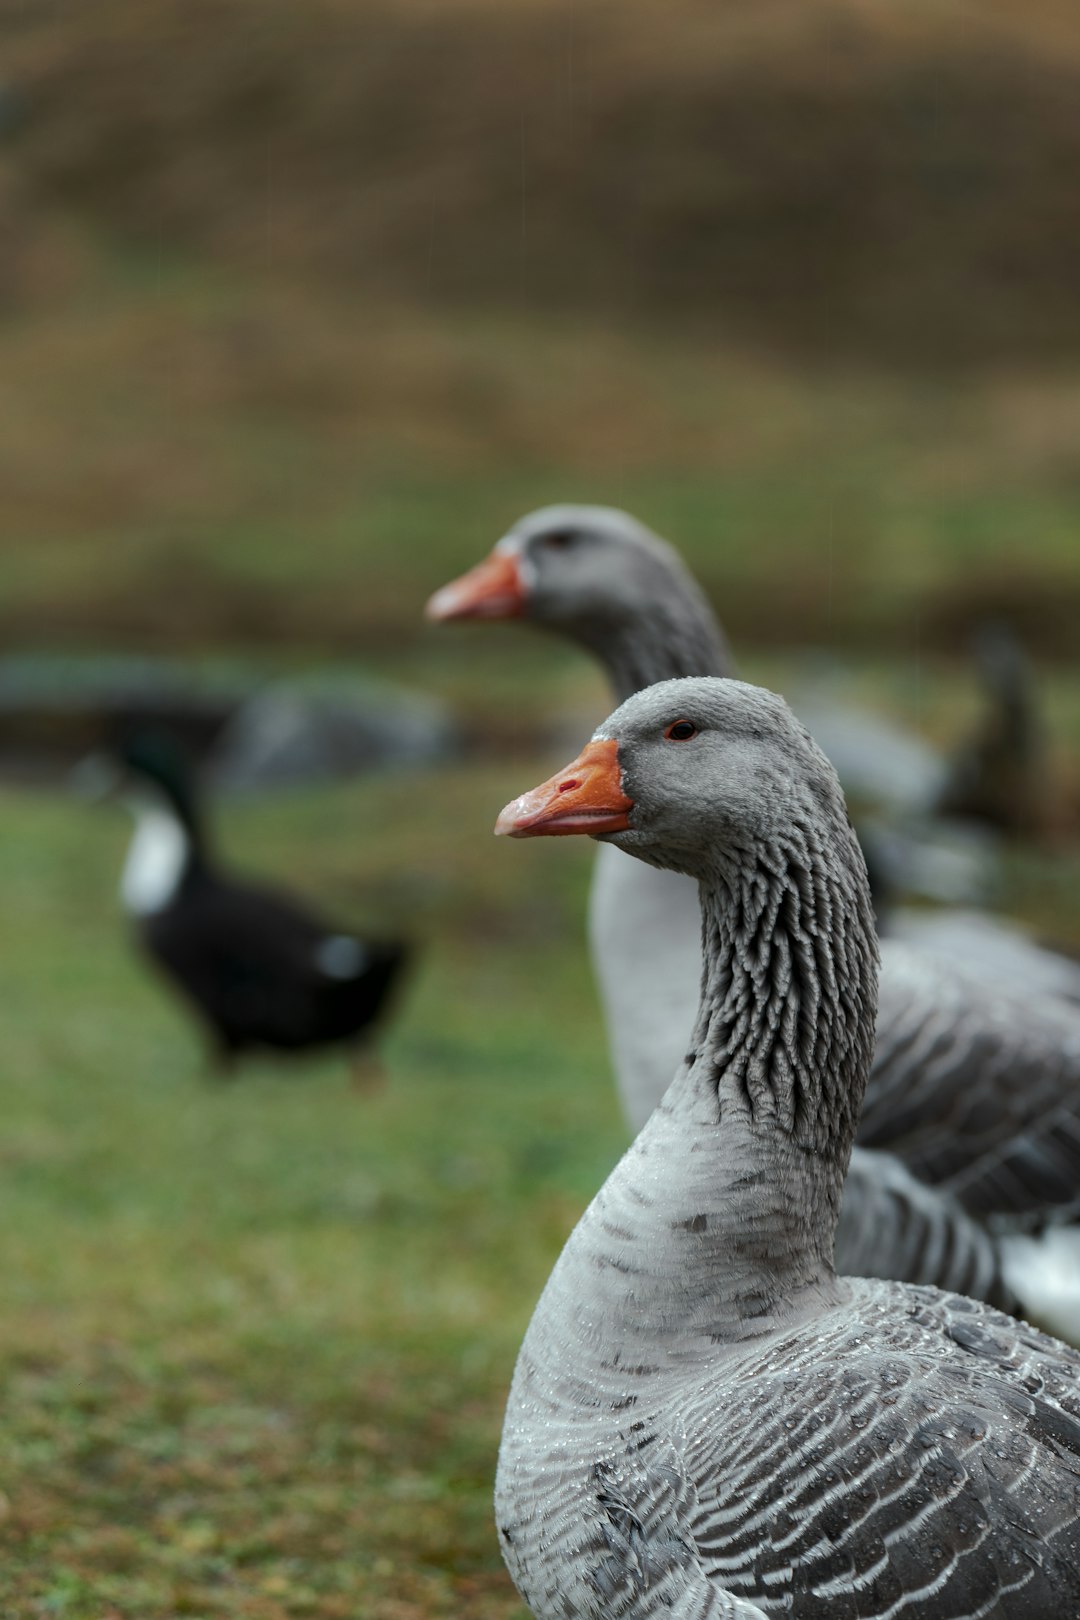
{"type": "Point", "coordinates": [295, 732]}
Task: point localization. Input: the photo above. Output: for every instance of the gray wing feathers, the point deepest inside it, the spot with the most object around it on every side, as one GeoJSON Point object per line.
{"type": "Point", "coordinates": [648, 1566]}
{"type": "Point", "coordinates": [910, 1455]}
{"type": "Point", "coordinates": [990, 947]}
{"type": "Point", "coordinates": [976, 1089]}
{"type": "Point", "coordinates": [896, 1228]}
{"type": "Point", "coordinates": [707, 1602]}
{"type": "Point", "coordinates": [896, 1488]}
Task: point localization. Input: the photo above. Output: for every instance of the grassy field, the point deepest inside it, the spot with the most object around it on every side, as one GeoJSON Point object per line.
{"type": "Point", "coordinates": [256, 1336]}
{"type": "Point", "coordinates": [824, 175]}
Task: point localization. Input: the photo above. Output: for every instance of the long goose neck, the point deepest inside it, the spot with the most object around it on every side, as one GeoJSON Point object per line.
{"type": "Point", "coordinates": [785, 1029]}
{"type": "Point", "coordinates": [720, 1221]}
{"type": "Point", "coordinates": [670, 633]}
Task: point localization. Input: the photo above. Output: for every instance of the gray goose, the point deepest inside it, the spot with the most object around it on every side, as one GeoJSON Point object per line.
{"type": "Point", "coordinates": [1000, 950]}
{"type": "Point", "coordinates": [704, 1420]}
{"type": "Point", "coordinates": [610, 584]}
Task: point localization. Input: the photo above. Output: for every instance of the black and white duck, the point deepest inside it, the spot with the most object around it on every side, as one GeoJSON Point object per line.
{"type": "Point", "coordinates": [705, 1420]}
{"type": "Point", "coordinates": [610, 584]}
{"type": "Point", "coordinates": [256, 966]}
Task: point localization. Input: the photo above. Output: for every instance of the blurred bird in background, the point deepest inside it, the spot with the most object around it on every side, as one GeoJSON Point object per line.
{"type": "Point", "coordinates": [255, 966]}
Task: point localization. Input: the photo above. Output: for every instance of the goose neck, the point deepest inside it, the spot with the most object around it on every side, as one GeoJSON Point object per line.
{"type": "Point", "coordinates": [671, 635]}
{"type": "Point", "coordinates": [721, 1220]}
{"type": "Point", "coordinates": [785, 1028]}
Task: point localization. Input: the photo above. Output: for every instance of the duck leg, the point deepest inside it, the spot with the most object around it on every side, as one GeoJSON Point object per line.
{"type": "Point", "coordinates": [219, 1059]}
{"type": "Point", "coordinates": [367, 1071]}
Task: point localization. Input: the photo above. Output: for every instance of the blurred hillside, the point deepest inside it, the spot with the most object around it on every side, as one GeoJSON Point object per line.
{"type": "Point", "coordinates": [839, 176]}
{"type": "Point", "coordinates": [301, 304]}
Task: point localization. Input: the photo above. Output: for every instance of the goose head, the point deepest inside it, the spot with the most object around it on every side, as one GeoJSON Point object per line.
{"type": "Point", "coordinates": [696, 775]}
{"type": "Point", "coordinates": [601, 578]}
{"type": "Point", "coordinates": [562, 566]}
{"type": "Point", "coordinates": [718, 780]}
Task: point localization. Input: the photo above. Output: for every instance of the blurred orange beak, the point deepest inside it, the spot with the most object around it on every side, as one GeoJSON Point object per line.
{"type": "Point", "coordinates": [585, 797]}
{"type": "Point", "coordinates": [494, 589]}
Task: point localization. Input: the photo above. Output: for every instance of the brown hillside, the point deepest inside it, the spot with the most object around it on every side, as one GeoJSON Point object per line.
{"type": "Point", "coordinates": [898, 183]}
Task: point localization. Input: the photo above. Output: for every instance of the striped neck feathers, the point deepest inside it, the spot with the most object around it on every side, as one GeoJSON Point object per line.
{"type": "Point", "coordinates": [785, 1032]}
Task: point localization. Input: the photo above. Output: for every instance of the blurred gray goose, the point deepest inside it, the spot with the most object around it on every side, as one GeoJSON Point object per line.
{"type": "Point", "coordinates": [996, 949]}
{"type": "Point", "coordinates": [610, 584]}
{"type": "Point", "coordinates": [704, 1419]}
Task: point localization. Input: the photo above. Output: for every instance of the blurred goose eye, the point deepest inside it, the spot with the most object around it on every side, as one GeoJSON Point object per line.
{"type": "Point", "coordinates": [560, 539]}
{"type": "Point", "coordinates": [681, 731]}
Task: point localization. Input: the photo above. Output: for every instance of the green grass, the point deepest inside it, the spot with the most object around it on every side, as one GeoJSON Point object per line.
{"type": "Point", "coordinates": [256, 1336]}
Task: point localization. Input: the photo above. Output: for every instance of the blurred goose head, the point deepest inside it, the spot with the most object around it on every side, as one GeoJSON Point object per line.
{"type": "Point", "coordinates": [602, 578]}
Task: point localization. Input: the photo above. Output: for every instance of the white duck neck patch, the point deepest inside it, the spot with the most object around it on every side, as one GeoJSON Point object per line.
{"type": "Point", "coordinates": [155, 863]}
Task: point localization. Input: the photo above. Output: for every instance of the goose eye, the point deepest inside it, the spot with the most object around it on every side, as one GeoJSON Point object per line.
{"type": "Point", "coordinates": [559, 540]}
{"type": "Point", "coordinates": [681, 731]}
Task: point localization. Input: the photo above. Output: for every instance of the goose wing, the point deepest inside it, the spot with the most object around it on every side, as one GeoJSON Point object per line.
{"type": "Point", "coordinates": [976, 1088]}
{"type": "Point", "coordinates": [850, 1473]}
{"type": "Point", "coordinates": [992, 947]}
{"type": "Point", "coordinates": [895, 1227]}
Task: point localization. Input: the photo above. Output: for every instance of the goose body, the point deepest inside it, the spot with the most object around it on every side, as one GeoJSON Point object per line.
{"type": "Point", "coordinates": [992, 948]}
{"type": "Point", "coordinates": [977, 1086]}
{"type": "Point", "coordinates": [258, 969]}
{"type": "Point", "coordinates": [642, 917]}
{"type": "Point", "coordinates": [608, 583]}
{"type": "Point", "coordinates": [705, 1420]}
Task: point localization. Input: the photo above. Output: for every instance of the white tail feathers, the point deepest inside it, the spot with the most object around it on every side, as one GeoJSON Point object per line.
{"type": "Point", "coordinates": [1044, 1274]}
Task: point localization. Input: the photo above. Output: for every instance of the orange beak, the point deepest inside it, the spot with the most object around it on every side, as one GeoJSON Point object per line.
{"type": "Point", "coordinates": [585, 797]}
{"type": "Point", "coordinates": [494, 589]}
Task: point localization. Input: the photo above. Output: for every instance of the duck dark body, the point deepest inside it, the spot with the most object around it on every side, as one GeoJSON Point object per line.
{"type": "Point", "coordinates": [258, 968]}
{"type": "Point", "coordinates": [705, 1420]}
{"type": "Point", "coordinates": [248, 960]}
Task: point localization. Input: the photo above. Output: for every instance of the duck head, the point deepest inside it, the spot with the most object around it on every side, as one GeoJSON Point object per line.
{"type": "Point", "coordinates": [146, 768]}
